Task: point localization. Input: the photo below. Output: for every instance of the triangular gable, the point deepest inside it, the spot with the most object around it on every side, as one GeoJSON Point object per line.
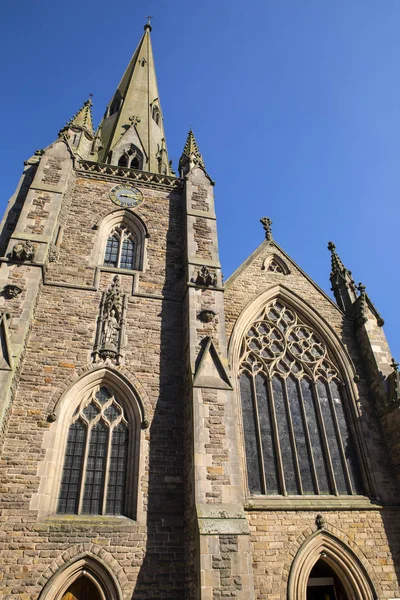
{"type": "Point", "coordinates": [5, 350]}
{"type": "Point", "coordinates": [210, 372]}
{"type": "Point", "coordinates": [289, 260]}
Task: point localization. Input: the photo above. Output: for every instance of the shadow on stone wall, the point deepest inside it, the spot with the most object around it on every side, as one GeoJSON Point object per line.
{"type": "Point", "coordinates": [161, 574]}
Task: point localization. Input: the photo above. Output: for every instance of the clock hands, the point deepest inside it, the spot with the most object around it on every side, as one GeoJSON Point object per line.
{"type": "Point", "coordinates": [127, 196]}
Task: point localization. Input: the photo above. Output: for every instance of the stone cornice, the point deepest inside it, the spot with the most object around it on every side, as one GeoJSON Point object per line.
{"type": "Point", "coordinates": [115, 173]}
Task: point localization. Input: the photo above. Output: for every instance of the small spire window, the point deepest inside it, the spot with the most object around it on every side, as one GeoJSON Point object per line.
{"type": "Point", "coordinates": [123, 160]}
{"type": "Point", "coordinates": [120, 249]}
{"type": "Point", "coordinates": [156, 115]}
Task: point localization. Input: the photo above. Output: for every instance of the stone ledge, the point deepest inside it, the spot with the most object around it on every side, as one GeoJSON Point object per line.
{"type": "Point", "coordinates": [316, 503]}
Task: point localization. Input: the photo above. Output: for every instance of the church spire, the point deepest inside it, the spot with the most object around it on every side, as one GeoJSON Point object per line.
{"type": "Point", "coordinates": [343, 286]}
{"type": "Point", "coordinates": [131, 133]}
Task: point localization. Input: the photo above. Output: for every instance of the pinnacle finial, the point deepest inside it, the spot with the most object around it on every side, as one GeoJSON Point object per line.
{"type": "Point", "coordinates": [266, 223]}
{"type": "Point", "coordinates": [394, 365]}
{"type": "Point", "coordinates": [82, 118]}
{"type": "Point", "coordinates": [191, 154]}
{"type": "Point", "coordinates": [148, 24]}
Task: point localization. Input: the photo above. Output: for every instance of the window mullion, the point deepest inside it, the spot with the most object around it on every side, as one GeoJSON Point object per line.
{"type": "Point", "coordinates": [339, 439]}
{"type": "Point", "coordinates": [324, 438]}
{"type": "Point", "coordinates": [292, 436]}
{"type": "Point", "coordinates": [106, 473]}
{"type": "Point", "coordinates": [83, 478]}
{"type": "Point", "coordinates": [121, 241]}
{"type": "Point", "coordinates": [258, 434]}
{"type": "Point", "coordinates": [276, 438]}
{"type": "Point", "coordinates": [308, 439]}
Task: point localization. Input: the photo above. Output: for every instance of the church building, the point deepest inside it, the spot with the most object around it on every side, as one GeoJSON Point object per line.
{"type": "Point", "coordinates": [165, 434]}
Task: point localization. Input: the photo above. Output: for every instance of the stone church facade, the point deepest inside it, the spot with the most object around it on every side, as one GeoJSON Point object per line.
{"type": "Point", "coordinates": [166, 434]}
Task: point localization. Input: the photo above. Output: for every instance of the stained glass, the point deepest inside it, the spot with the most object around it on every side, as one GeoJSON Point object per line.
{"type": "Point", "coordinates": [103, 395]}
{"type": "Point", "coordinates": [347, 441]}
{"type": "Point", "coordinates": [300, 436]}
{"type": "Point", "coordinates": [282, 419]}
{"type": "Point", "coordinates": [249, 427]}
{"type": "Point", "coordinates": [95, 470]}
{"type": "Point", "coordinates": [315, 438]}
{"type": "Point", "coordinates": [331, 435]}
{"type": "Point", "coordinates": [72, 472]}
{"type": "Point", "coordinates": [127, 254]}
{"type": "Point", "coordinates": [267, 437]}
{"type": "Point", "coordinates": [117, 468]}
{"type": "Point", "coordinates": [111, 255]}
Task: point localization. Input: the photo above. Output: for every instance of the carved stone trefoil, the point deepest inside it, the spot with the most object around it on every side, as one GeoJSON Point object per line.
{"type": "Point", "coordinates": [12, 291]}
{"type": "Point", "coordinates": [23, 251]}
{"type": "Point", "coordinates": [205, 277]}
{"type": "Point", "coordinates": [110, 329]}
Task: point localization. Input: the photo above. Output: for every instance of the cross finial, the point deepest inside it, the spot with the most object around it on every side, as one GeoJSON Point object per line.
{"type": "Point", "coordinates": [266, 223]}
{"type": "Point", "coordinates": [149, 18]}
{"type": "Point", "coordinates": [394, 365]}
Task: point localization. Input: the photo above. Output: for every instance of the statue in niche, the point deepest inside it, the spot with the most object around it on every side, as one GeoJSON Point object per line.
{"type": "Point", "coordinates": [110, 324]}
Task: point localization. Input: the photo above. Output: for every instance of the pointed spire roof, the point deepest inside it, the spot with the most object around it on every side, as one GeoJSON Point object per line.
{"type": "Point", "coordinates": [343, 285]}
{"type": "Point", "coordinates": [133, 119]}
{"type": "Point", "coordinates": [338, 267]}
{"type": "Point", "coordinates": [191, 155]}
{"type": "Point", "coordinates": [83, 118]}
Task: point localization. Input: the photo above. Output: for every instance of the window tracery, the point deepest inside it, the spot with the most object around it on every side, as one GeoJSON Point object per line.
{"type": "Point", "coordinates": [120, 249]}
{"type": "Point", "coordinates": [94, 472]}
{"type": "Point", "coordinates": [275, 267]}
{"type": "Point", "coordinates": [297, 436]}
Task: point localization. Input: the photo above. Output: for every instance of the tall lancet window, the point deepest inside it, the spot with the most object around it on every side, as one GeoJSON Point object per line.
{"type": "Point", "coordinates": [120, 249]}
{"type": "Point", "coordinates": [94, 473]}
{"type": "Point", "coordinates": [297, 435]}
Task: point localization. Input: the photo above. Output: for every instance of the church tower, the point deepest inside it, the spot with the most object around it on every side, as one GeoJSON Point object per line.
{"type": "Point", "coordinates": [166, 434]}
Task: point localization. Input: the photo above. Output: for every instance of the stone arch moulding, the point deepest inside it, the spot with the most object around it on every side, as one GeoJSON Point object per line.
{"type": "Point", "coordinates": [55, 438]}
{"type": "Point", "coordinates": [120, 379]}
{"type": "Point", "coordinates": [351, 571]}
{"type": "Point", "coordinates": [274, 258]}
{"type": "Point", "coordinates": [88, 565]}
{"type": "Point", "coordinates": [136, 226]}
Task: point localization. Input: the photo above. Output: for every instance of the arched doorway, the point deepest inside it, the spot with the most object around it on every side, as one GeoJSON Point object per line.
{"type": "Point", "coordinates": [329, 565]}
{"type": "Point", "coordinates": [323, 583]}
{"type": "Point", "coordinates": [82, 589]}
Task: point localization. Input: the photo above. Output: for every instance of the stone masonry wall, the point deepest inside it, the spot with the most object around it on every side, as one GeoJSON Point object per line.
{"type": "Point", "coordinates": [146, 557]}
{"type": "Point", "coordinates": [276, 536]}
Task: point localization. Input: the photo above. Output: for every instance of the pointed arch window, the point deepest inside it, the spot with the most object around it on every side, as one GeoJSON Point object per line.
{"type": "Point", "coordinates": [94, 472]}
{"type": "Point", "coordinates": [297, 435]}
{"type": "Point", "coordinates": [120, 249]}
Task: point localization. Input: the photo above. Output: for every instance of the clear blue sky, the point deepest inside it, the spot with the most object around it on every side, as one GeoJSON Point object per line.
{"type": "Point", "coordinates": [295, 105]}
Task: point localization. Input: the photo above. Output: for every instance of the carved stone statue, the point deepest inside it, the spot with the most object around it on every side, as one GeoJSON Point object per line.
{"type": "Point", "coordinates": [23, 251]}
{"type": "Point", "coordinates": [205, 277]}
{"type": "Point", "coordinates": [110, 324]}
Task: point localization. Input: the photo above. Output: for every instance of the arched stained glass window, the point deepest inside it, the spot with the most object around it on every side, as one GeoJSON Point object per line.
{"type": "Point", "coordinates": [297, 436]}
{"type": "Point", "coordinates": [94, 473]}
{"type": "Point", "coordinates": [120, 249]}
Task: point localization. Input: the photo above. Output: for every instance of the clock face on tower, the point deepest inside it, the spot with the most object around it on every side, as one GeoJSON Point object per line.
{"type": "Point", "coordinates": [126, 195]}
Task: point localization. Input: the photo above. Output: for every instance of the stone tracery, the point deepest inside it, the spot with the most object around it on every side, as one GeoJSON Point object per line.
{"type": "Point", "coordinates": [297, 436]}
